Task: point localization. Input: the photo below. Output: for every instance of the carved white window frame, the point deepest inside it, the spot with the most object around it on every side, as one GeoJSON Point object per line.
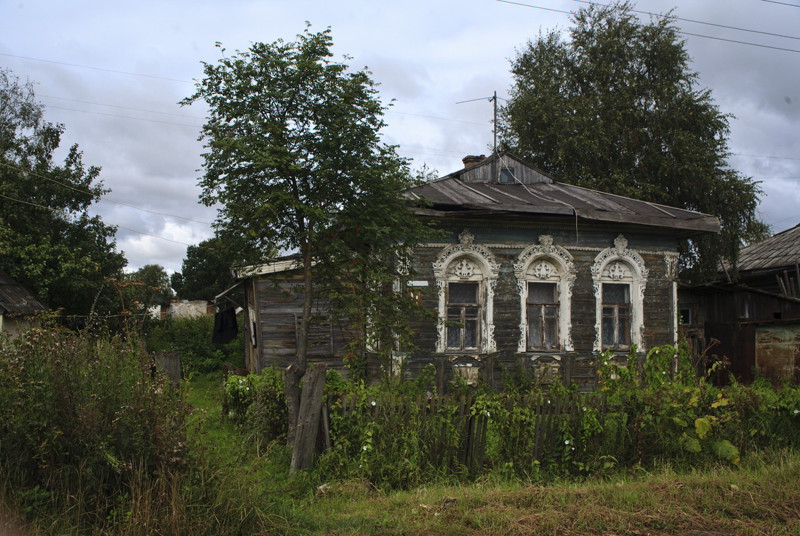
{"type": "Point", "coordinates": [671, 270]}
{"type": "Point", "coordinates": [546, 263]}
{"type": "Point", "coordinates": [620, 265]}
{"type": "Point", "coordinates": [467, 261]}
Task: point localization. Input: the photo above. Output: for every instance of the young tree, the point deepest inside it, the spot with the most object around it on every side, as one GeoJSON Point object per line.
{"type": "Point", "coordinates": [48, 240]}
{"type": "Point", "coordinates": [295, 159]}
{"type": "Point", "coordinates": [616, 108]}
{"type": "Point", "coordinates": [150, 286]}
{"type": "Point", "coordinates": [206, 270]}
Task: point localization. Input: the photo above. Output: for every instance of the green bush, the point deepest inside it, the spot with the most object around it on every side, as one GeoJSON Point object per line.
{"type": "Point", "coordinates": [647, 410]}
{"type": "Point", "coordinates": [257, 402]}
{"type": "Point", "coordinates": [191, 338]}
{"type": "Point", "coordinates": [81, 417]}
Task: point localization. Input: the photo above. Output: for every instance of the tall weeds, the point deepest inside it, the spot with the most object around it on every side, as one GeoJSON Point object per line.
{"type": "Point", "coordinates": [84, 421]}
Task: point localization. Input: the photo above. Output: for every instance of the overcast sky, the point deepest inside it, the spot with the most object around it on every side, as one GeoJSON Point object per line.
{"type": "Point", "coordinates": [113, 73]}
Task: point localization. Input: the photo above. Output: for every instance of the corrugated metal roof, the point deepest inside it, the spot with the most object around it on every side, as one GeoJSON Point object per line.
{"type": "Point", "coordinates": [282, 264]}
{"type": "Point", "coordinates": [782, 249]}
{"type": "Point", "coordinates": [15, 299]}
{"type": "Point", "coordinates": [547, 196]}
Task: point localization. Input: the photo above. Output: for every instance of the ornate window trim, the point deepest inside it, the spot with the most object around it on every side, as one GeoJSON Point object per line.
{"type": "Point", "coordinates": [546, 262]}
{"type": "Point", "coordinates": [671, 271]}
{"type": "Point", "coordinates": [619, 264]}
{"type": "Point", "coordinates": [467, 261]}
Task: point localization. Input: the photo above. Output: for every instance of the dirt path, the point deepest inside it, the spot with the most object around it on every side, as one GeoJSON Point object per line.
{"type": "Point", "coordinates": [8, 528]}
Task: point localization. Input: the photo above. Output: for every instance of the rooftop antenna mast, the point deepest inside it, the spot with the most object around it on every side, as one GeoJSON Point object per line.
{"type": "Point", "coordinates": [492, 99]}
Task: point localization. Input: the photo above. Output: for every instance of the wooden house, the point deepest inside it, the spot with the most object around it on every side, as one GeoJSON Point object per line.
{"type": "Point", "coordinates": [752, 316]}
{"type": "Point", "coordinates": [531, 274]}
{"type": "Point", "coordinates": [18, 307]}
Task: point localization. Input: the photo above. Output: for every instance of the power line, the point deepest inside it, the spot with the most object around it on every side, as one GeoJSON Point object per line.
{"type": "Point", "coordinates": [714, 24]}
{"type": "Point", "coordinates": [88, 192]}
{"type": "Point", "coordinates": [740, 42]}
{"type": "Point", "coordinates": [184, 116]}
{"type": "Point", "coordinates": [117, 226]}
{"type": "Point", "coordinates": [681, 32]}
{"type": "Point", "coordinates": [435, 117]}
{"type": "Point", "coordinates": [125, 117]}
{"type": "Point", "coordinates": [95, 68]}
{"type": "Point", "coordinates": [767, 156]}
{"type": "Point", "coordinates": [781, 3]}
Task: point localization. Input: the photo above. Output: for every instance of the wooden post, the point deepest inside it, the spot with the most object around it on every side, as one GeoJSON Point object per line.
{"type": "Point", "coordinates": [305, 439]}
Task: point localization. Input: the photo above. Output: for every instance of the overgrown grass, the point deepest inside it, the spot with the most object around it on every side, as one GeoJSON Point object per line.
{"type": "Point", "coordinates": [761, 497]}
{"type": "Point", "coordinates": [95, 433]}
{"type": "Point", "coordinates": [191, 339]}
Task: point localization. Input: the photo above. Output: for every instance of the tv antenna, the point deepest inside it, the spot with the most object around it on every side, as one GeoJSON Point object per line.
{"type": "Point", "coordinates": [493, 100]}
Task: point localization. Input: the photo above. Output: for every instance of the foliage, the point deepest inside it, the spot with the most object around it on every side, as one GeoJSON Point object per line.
{"type": "Point", "coordinates": [206, 270]}
{"type": "Point", "coordinates": [144, 288]}
{"type": "Point", "coordinates": [646, 412]}
{"type": "Point", "coordinates": [84, 416]}
{"type": "Point", "coordinates": [295, 160]}
{"type": "Point", "coordinates": [616, 108]}
{"type": "Point", "coordinates": [48, 241]}
{"type": "Point", "coordinates": [257, 403]}
{"type": "Point", "coordinates": [393, 441]}
{"type": "Point", "coordinates": [191, 338]}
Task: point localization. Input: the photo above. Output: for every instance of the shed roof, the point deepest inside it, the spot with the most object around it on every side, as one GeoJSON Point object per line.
{"type": "Point", "coordinates": [16, 299]}
{"type": "Point", "coordinates": [476, 188]}
{"type": "Point", "coordinates": [779, 250]}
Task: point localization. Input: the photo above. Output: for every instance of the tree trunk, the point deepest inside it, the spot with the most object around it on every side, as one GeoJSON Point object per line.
{"type": "Point", "coordinates": [307, 427]}
{"type": "Point", "coordinates": [295, 372]}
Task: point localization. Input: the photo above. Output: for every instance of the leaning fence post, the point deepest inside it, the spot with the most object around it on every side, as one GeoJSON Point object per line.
{"type": "Point", "coordinates": [305, 439]}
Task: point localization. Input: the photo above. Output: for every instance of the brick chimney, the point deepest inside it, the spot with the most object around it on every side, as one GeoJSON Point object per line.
{"type": "Point", "coordinates": [471, 160]}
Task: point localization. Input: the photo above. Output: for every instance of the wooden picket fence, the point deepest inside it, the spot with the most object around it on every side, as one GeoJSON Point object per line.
{"type": "Point", "coordinates": [461, 440]}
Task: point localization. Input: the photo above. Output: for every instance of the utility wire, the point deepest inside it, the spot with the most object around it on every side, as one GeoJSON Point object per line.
{"type": "Point", "coordinates": [767, 156]}
{"type": "Point", "coordinates": [681, 32]}
{"type": "Point", "coordinates": [125, 117]}
{"type": "Point", "coordinates": [739, 42]}
{"type": "Point", "coordinates": [714, 24]}
{"type": "Point", "coordinates": [88, 192]}
{"type": "Point", "coordinates": [96, 68]}
{"type": "Point", "coordinates": [781, 3]}
{"type": "Point", "coordinates": [51, 209]}
{"type": "Point", "coordinates": [183, 116]}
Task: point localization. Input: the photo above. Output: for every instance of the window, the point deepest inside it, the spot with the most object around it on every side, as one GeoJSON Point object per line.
{"type": "Point", "coordinates": [620, 278]}
{"type": "Point", "coordinates": [542, 316]}
{"type": "Point", "coordinates": [506, 176]}
{"type": "Point", "coordinates": [545, 275]}
{"type": "Point", "coordinates": [686, 316]}
{"type": "Point", "coordinates": [463, 316]}
{"type": "Point", "coordinates": [466, 276]}
{"type": "Point", "coordinates": [616, 323]}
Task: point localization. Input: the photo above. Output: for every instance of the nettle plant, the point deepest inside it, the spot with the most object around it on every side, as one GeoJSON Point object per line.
{"type": "Point", "coordinates": [673, 411]}
{"type": "Point", "coordinates": [256, 403]}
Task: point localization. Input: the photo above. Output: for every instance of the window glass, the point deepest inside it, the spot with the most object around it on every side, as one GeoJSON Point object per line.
{"type": "Point", "coordinates": [616, 293]}
{"type": "Point", "coordinates": [542, 293]}
{"type": "Point", "coordinates": [463, 293]}
{"type": "Point", "coordinates": [463, 316]}
{"type": "Point", "coordinates": [542, 316]}
{"type": "Point", "coordinates": [616, 316]}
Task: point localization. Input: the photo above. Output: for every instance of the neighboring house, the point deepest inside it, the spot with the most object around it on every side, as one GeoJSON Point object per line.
{"type": "Point", "coordinates": [531, 274]}
{"type": "Point", "coordinates": [18, 307]}
{"type": "Point", "coordinates": [773, 264]}
{"type": "Point", "coordinates": [188, 308]}
{"type": "Point", "coordinates": [755, 319]}
{"type": "Point", "coordinates": [178, 308]}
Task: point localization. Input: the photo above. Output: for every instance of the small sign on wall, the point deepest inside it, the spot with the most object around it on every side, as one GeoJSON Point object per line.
{"type": "Point", "coordinates": [417, 283]}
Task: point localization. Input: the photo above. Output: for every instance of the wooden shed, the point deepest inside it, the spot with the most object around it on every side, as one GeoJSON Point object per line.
{"type": "Point", "coordinates": [531, 274]}
{"type": "Point", "coordinates": [747, 318]}
{"type": "Point", "coordinates": [18, 307]}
